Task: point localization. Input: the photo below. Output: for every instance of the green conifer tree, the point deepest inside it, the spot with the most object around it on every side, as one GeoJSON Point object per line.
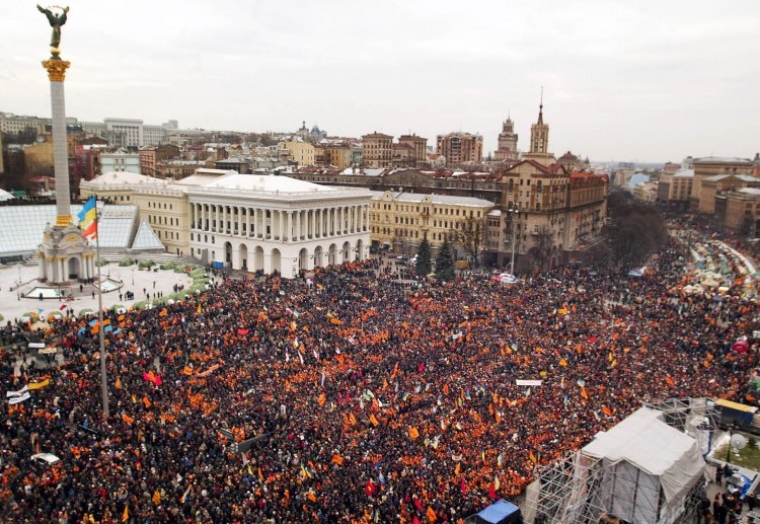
{"type": "Point", "coordinates": [444, 263]}
{"type": "Point", "coordinates": [424, 265]}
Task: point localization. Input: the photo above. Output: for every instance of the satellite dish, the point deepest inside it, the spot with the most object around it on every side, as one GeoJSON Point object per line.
{"type": "Point", "coordinates": [738, 441]}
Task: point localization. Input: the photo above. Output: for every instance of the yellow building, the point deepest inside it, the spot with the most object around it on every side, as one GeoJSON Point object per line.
{"type": "Point", "coordinates": [338, 156]}
{"type": "Point", "coordinates": [713, 185]}
{"type": "Point", "coordinates": [711, 166]}
{"type": "Point", "coordinates": [419, 147]}
{"type": "Point", "coordinates": [302, 153]}
{"type": "Point", "coordinates": [739, 209]}
{"type": "Point", "coordinates": [399, 221]}
{"type": "Point", "coordinates": [675, 187]}
{"type": "Point", "coordinates": [38, 158]}
{"type": "Point", "coordinates": [377, 150]}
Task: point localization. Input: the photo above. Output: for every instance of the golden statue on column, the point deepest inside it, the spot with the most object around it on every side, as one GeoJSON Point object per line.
{"type": "Point", "coordinates": [57, 17]}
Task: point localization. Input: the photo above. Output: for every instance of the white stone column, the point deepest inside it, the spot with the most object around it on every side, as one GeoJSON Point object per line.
{"type": "Point", "coordinates": [56, 69]}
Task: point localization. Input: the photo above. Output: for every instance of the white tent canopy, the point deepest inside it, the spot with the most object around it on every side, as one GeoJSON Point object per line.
{"type": "Point", "coordinates": [648, 455]}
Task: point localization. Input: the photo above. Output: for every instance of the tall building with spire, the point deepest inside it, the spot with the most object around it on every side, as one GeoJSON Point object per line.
{"type": "Point", "coordinates": [539, 139]}
{"type": "Point", "coordinates": [507, 145]}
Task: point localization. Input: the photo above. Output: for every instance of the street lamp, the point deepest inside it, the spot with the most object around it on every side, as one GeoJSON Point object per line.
{"type": "Point", "coordinates": [514, 212]}
{"type": "Point", "coordinates": [133, 275]}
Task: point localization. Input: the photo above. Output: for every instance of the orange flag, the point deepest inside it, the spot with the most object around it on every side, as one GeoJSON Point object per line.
{"type": "Point", "coordinates": [337, 459]}
{"type": "Point", "coordinates": [413, 433]}
{"type": "Point", "coordinates": [584, 394]}
{"type": "Point", "coordinates": [607, 411]}
{"type": "Point", "coordinates": [311, 496]}
{"type": "Point", "coordinates": [156, 498]}
{"type": "Point", "coordinates": [352, 419]}
{"type": "Point", "coordinates": [532, 457]}
{"type": "Point", "coordinates": [669, 380]}
{"type": "Point", "coordinates": [430, 514]}
{"type": "Point", "coordinates": [374, 420]}
{"type": "Point", "coordinates": [321, 399]}
{"type": "Point", "coordinates": [163, 313]}
{"type": "Point", "coordinates": [126, 418]}
{"type": "Point", "coordinates": [117, 384]}
{"type": "Point", "coordinates": [146, 401]}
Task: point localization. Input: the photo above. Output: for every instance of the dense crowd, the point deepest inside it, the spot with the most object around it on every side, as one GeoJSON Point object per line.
{"type": "Point", "coordinates": [353, 399]}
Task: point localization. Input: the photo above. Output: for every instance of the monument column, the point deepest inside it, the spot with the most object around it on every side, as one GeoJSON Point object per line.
{"type": "Point", "coordinates": [56, 69]}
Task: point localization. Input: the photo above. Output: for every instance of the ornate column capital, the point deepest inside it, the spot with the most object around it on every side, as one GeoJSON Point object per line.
{"type": "Point", "coordinates": [56, 69]}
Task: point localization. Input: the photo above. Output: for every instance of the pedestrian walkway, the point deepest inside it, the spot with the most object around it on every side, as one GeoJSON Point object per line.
{"type": "Point", "coordinates": [144, 284]}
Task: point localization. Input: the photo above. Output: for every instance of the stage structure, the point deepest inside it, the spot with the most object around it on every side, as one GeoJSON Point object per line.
{"type": "Point", "coordinates": [64, 254]}
{"type": "Point", "coordinates": [644, 470]}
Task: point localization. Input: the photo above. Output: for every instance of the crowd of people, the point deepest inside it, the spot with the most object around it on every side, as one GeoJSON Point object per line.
{"type": "Point", "coordinates": [352, 398]}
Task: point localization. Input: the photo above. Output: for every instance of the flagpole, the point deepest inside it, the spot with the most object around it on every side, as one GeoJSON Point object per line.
{"type": "Point", "coordinates": [101, 331]}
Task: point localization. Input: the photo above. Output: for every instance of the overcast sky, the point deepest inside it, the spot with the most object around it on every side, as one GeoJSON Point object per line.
{"type": "Point", "coordinates": [623, 80]}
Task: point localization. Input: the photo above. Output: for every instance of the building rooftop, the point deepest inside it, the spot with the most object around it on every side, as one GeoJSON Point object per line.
{"type": "Point", "coordinates": [743, 178]}
{"type": "Point", "coordinates": [685, 173]}
{"type": "Point", "coordinates": [722, 160]}
{"type": "Point", "coordinates": [268, 183]}
{"type": "Point", "coordinates": [115, 178]}
{"type": "Point", "coordinates": [450, 200]}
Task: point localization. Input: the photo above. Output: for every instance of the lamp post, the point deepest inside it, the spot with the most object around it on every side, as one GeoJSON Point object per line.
{"type": "Point", "coordinates": [514, 212]}
{"type": "Point", "coordinates": [133, 275]}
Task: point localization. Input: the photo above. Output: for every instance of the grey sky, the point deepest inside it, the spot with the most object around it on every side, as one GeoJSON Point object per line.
{"type": "Point", "coordinates": [623, 80]}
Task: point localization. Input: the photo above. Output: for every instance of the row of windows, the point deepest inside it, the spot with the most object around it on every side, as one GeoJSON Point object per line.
{"type": "Point", "coordinates": [436, 211]}
{"type": "Point", "coordinates": [161, 220]}
{"type": "Point", "coordinates": [167, 235]}
{"type": "Point", "coordinates": [158, 205]}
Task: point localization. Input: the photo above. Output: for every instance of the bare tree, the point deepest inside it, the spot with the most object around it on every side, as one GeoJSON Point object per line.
{"type": "Point", "coordinates": [468, 234]}
{"type": "Point", "coordinates": [540, 254]}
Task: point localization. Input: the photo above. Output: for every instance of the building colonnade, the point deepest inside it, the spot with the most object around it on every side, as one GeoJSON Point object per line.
{"type": "Point", "coordinates": [285, 225]}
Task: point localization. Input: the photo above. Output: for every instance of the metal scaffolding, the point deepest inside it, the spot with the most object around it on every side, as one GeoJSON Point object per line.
{"type": "Point", "coordinates": [580, 488]}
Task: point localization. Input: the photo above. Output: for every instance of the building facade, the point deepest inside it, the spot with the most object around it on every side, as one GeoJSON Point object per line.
{"type": "Point", "coordinates": [377, 150]}
{"type": "Point", "coordinates": [713, 185]}
{"type": "Point", "coordinates": [298, 152]}
{"type": "Point", "coordinates": [506, 150]}
{"type": "Point", "coordinates": [13, 124]}
{"type": "Point", "coordinates": [548, 213]}
{"type": "Point", "coordinates": [418, 147]}
{"type": "Point", "coordinates": [400, 221]}
{"type": "Point", "coordinates": [262, 223]}
{"type": "Point", "coordinates": [278, 224]}
{"type": "Point", "coordinates": [738, 209]}
{"type": "Point", "coordinates": [119, 161]}
{"type": "Point", "coordinates": [675, 188]}
{"type": "Point", "coordinates": [460, 148]}
{"type": "Point", "coordinates": [710, 166]}
{"type": "Point", "coordinates": [151, 155]}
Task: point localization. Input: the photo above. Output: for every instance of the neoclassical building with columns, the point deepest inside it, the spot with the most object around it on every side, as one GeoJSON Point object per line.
{"type": "Point", "coordinates": [274, 223]}
{"type": "Point", "coordinates": [250, 222]}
